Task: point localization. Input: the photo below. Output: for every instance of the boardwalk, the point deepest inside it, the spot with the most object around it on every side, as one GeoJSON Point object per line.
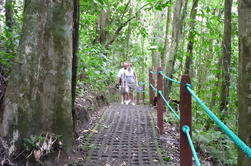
{"type": "Point", "coordinates": [125, 136]}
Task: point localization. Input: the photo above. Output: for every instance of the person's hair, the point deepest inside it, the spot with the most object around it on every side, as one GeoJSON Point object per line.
{"type": "Point", "coordinates": [125, 64]}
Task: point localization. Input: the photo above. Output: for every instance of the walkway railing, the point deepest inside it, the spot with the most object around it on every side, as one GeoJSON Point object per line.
{"type": "Point", "coordinates": [187, 149]}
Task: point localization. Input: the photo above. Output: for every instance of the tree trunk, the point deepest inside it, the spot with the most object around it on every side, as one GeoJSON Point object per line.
{"type": "Point", "coordinates": [176, 27]}
{"type": "Point", "coordinates": [9, 23]}
{"type": "Point", "coordinates": [216, 84]}
{"type": "Point", "coordinates": [226, 59]}
{"type": "Point", "coordinates": [38, 97]}
{"type": "Point", "coordinates": [102, 27]}
{"type": "Point", "coordinates": [9, 14]}
{"type": "Point", "coordinates": [129, 29]}
{"type": "Point", "coordinates": [155, 59]}
{"type": "Point", "coordinates": [244, 80]}
{"type": "Point", "coordinates": [75, 45]}
{"type": "Point", "coordinates": [191, 37]}
{"type": "Point", "coordinates": [156, 42]}
{"type": "Point", "coordinates": [166, 44]}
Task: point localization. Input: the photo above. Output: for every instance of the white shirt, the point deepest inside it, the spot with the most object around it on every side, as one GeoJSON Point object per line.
{"type": "Point", "coordinates": [121, 72]}
{"type": "Point", "coordinates": [130, 75]}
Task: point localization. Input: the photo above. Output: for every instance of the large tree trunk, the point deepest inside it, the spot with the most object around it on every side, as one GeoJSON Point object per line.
{"type": "Point", "coordinates": [191, 37]}
{"type": "Point", "coordinates": [244, 81]}
{"type": "Point", "coordinates": [75, 45]}
{"type": "Point", "coordinates": [226, 60]}
{"type": "Point", "coordinates": [38, 96]}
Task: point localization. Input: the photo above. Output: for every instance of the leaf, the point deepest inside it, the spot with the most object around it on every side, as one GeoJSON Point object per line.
{"type": "Point", "coordinates": [167, 158]}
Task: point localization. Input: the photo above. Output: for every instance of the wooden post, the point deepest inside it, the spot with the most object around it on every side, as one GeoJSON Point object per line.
{"type": "Point", "coordinates": [160, 102]}
{"type": "Point", "coordinates": [143, 94]}
{"type": "Point", "coordinates": [137, 100]}
{"type": "Point", "coordinates": [185, 119]}
{"type": "Point", "coordinates": [151, 91]}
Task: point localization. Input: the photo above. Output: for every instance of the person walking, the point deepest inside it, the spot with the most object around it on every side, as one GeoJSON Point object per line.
{"type": "Point", "coordinates": [131, 82]}
{"type": "Point", "coordinates": [122, 83]}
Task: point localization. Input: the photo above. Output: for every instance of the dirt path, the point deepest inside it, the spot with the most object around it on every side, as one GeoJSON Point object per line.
{"type": "Point", "coordinates": [125, 135]}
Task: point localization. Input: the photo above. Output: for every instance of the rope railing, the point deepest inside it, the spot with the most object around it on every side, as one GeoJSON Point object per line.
{"type": "Point", "coordinates": [169, 106]}
{"type": "Point", "coordinates": [152, 72]}
{"type": "Point", "coordinates": [184, 118]}
{"type": "Point", "coordinates": [187, 149]}
{"type": "Point", "coordinates": [186, 130]}
{"type": "Point", "coordinates": [155, 89]}
{"type": "Point", "coordinates": [224, 128]}
{"type": "Point", "coordinates": [168, 78]}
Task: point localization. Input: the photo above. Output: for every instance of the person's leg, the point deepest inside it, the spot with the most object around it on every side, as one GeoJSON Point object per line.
{"type": "Point", "coordinates": [132, 98]}
{"type": "Point", "coordinates": [122, 98]}
{"type": "Point", "coordinates": [127, 96]}
{"type": "Point", "coordinates": [122, 95]}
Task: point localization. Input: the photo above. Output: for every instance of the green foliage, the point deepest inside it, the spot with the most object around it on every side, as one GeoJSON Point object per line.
{"type": "Point", "coordinates": [217, 145]}
{"type": "Point", "coordinates": [95, 70]}
{"type": "Point", "coordinates": [9, 37]}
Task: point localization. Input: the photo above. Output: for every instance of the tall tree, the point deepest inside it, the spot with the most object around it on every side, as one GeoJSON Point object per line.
{"type": "Point", "coordinates": [9, 23]}
{"type": "Point", "coordinates": [9, 13]}
{"type": "Point", "coordinates": [226, 59]}
{"type": "Point", "coordinates": [157, 29]}
{"type": "Point", "coordinates": [244, 80]}
{"type": "Point", "coordinates": [176, 33]}
{"type": "Point", "coordinates": [38, 97]}
{"type": "Point", "coordinates": [102, 25]}
{"type": "Point", "coordinates": [75, 45]}
{"type": "Point", "coordinates": [191, 37]}
{"type": "Point", "coordinates": [129, 28]}
{"type": "Point", "coordinates": [166, 44]}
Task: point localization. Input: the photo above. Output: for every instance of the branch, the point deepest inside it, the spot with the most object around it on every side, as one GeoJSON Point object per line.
{"type": "Point", "coordinates": [116, 34]}
{"type": "Point", "coordinates": [123, 14]}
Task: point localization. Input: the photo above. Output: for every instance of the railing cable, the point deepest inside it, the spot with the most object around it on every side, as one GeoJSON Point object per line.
{"type": "Point", "coordinates": [186, 130]}
{"type": "Point", "coordinates": [168, 78]}
{"type": "Point", "coordinates": [169, 106]}
{"type": "Point", "coordinates": [155, 89]}
{"type": "Point", "coordinates": [225, 129]}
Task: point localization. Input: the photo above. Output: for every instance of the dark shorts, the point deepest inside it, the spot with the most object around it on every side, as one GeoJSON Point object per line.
{"type": "Point", "coordinates": [132, 87]}
{"type": "Point", "coordinates": [123, 90]}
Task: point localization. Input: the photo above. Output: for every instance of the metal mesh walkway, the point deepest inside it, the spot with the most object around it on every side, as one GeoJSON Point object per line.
{"type": "Point", "coordinates": [125, 136]}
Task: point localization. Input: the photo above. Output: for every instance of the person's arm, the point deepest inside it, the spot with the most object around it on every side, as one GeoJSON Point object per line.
{"type": "Point", "coordinates": [119, 77]}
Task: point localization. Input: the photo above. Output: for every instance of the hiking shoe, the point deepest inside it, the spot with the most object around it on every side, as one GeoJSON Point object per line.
{"type": "Point", "coordinates": [127, 102]}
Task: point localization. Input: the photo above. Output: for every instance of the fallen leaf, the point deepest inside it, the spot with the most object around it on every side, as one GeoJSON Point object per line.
{"type": "Point", "coordinates": [37, 154]}
{"type": "Point", "coordinates": [94, 131]}
{"type": "Point", "coordinates": [154, 160]}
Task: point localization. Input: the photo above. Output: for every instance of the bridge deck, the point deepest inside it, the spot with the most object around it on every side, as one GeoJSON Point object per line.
{"type": "Point", "coordinates": [125, 136]}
